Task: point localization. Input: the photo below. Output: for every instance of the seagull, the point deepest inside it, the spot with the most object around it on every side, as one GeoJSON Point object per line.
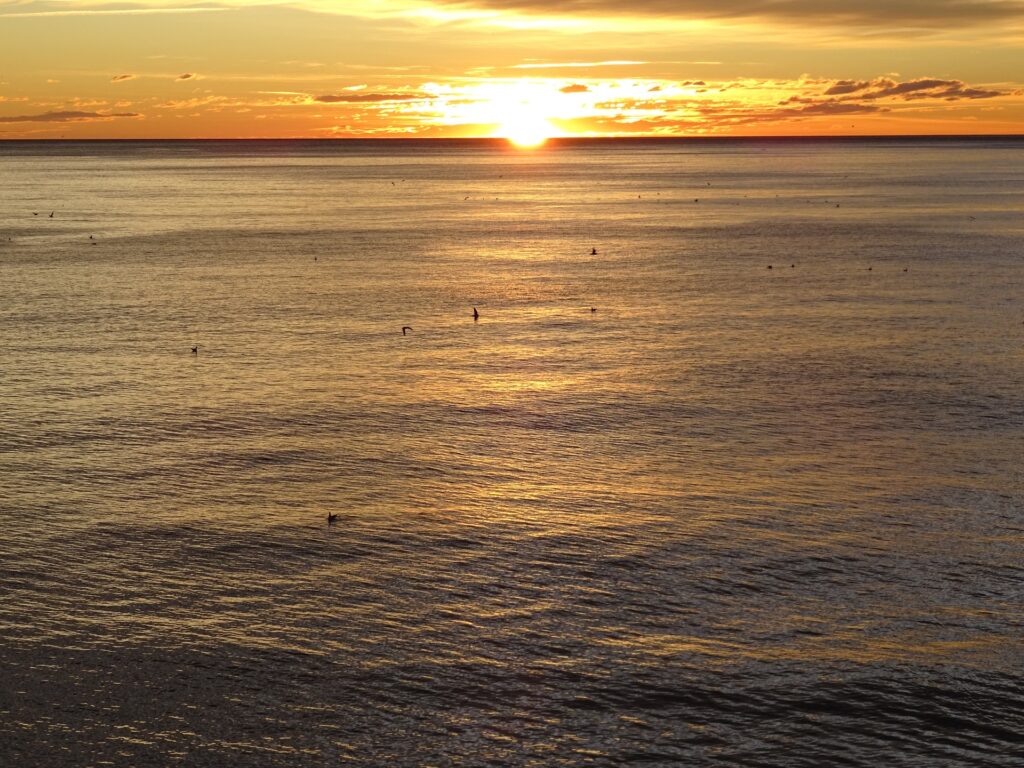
{"type": "Point", "coordinates": [51, 214]}
{"type": "Point", "coordinates": [593, 309]}
{"type": "Point", "coordinates": [593, 251]}
{"type": "Point", "coordinates": [405, 328]}
{"type": "Point", "coordinates": [331, 517]}
{"type": "Point", "coordinates": [195, 350]}
{"type": "Point", "coordinates": [476, 315]}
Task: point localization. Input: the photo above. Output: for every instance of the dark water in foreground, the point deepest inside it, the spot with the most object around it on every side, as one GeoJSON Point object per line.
{"type": "Point", "coordinates": [735, 516]}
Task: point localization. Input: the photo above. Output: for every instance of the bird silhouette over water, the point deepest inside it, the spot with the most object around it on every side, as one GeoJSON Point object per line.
{"type": "Point", "coordinates": [331, 517]}
{"type": "Point", "coordinates": [593, 309]}
{"type": "Point", "coordinates": [406, 328]}
{"type": "Point", "coordinates": [476, 315]}
{"type": "Point", "coordinates": [51, 214]}
{"type": "Point", "coordinates": [593, 251]}
{"type": "Point", "coordinates": [195, 350]}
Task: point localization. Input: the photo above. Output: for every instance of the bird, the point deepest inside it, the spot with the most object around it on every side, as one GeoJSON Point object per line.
{"type": "Point", "coordinates": [35, 213]}
{"type": "Point", "coordinates": [405, 328]}
{"type": "Point", "coordinates": [593, 251]}
{"type": "Point", "coordinates": [769, 266]}
{"type": "Point", "coordinates": [593, 309]}
{"type": "Point", "coordinates": [195, 350]}
{"type": "Point", "coordinates": [476, 315]}
{"type": "Point", "coordinates": [331, 517]}
{"type": "Point", "coordinates": [51, 214]}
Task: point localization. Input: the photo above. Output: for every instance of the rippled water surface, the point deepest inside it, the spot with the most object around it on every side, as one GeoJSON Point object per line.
{"type": "Point", "coordinates": [659, 505]}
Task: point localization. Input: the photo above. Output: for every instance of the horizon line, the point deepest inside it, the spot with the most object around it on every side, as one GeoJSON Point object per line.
{"type": "Point", "coordinates": [551, 140]}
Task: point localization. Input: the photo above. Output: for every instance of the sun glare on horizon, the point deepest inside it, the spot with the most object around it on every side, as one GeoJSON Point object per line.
{"type": "Point", "coordinates": [526, 130]}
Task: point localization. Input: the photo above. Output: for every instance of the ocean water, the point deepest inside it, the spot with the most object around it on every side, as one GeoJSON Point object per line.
{"type": "Point", "coordinates": [660, 505]}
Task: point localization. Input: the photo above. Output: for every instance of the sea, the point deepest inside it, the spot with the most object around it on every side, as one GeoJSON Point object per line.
{"type": "Point", "coordinates": [728, 471]}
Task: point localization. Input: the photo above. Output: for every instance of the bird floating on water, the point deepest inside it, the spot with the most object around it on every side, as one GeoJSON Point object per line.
{"type": "Point", "coordinates": [593, 309]}
{"type": "Point", "coordinates": [51, 214]}
{"type": "Point", "coordinates": [406, 328]}
{"type": "Point", "coordinates": [593, 251]}
{"type": "Point", "coordinates": [195, 350]}
{"type": "Point", "coordinates": [331, 517]}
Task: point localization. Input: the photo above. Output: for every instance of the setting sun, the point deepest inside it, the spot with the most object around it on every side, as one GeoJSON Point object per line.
{"type": "Point", "coordinates": [526, 130]}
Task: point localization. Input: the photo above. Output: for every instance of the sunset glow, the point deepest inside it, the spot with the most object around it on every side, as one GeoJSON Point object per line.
{"type": "Point", "coordinates": [513, 68]}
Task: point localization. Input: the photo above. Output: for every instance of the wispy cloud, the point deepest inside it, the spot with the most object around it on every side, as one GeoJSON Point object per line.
{"type": "Point", "coordinates": [574, 64]}
{"type": "Point", "coordinates": [870, 13]}
{"type": "Point", "coordinates": [355, 97]}
{"type": "Point", "coordinates": [19, 10]}
{"type": "Point", "coordinates": [66, 117]}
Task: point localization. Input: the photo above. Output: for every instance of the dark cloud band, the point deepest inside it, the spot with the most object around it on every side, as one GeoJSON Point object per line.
{"type": "Point", "coordinates": [868, 13]}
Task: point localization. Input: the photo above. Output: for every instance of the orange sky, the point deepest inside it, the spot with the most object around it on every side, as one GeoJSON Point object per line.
{"type": "Point", "coordinates": [521, 68]}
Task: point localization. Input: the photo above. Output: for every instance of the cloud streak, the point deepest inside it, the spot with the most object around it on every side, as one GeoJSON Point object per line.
{"type": "Point", "coordinates": [576, 64]}
{"type": "Point", "coordinates": [56, 8]}
{"type": "Point", "coordinates": [356, 97]}
{"type": "Point", "coordinates": [66, 117]}
{"type": "Point", "coordinates": [869, 13]}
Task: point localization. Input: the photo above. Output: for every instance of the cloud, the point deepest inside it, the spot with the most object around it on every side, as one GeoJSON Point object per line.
{"type": "Point", "coordinates": [53, 9]}
{"type": "Point", "coordinates": [868, 13]}
{"type": "Point", "coordinates": [122, 78]}
{"type": "Point", "coordinates": [187, 76]}
{"type": "Point", "coordinates": [363, 98]}
{"type": "Point", "coordinates": [926, 88]}
{"type": "Point", "coordinates": [66, 117]}
{"type": "Point", "coordinates": [909, 90]}
{"type": "Point", "coordinates": [575, 88]}
{"type": "Point", "coordinates": [577, 64]}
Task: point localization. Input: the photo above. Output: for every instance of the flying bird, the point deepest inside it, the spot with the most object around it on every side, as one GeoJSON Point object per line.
{"type": "Point", "coordinates": [405, 328]}
{"type": "Point", "coordinates": [476, 315]}
{"type": "Point", "coordinates": [195, 350]}
{"type": "Point", "coordinates": [331, 517]}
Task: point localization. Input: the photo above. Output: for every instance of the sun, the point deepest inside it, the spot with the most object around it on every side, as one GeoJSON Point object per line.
{"type": "Point", "coordinates": [525, 130]}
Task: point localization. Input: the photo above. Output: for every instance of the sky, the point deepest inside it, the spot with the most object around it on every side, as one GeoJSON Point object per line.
{"type": "Point", "coordinates": [523, 69]}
